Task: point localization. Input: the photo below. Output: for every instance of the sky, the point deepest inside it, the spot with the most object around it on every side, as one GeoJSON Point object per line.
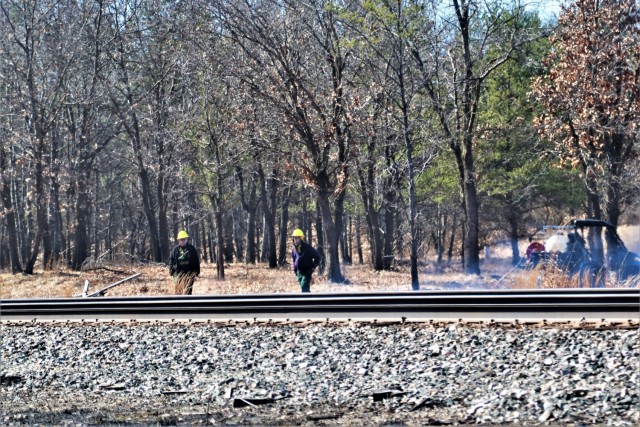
{"type": "Point", "coordinates": [547, 8]}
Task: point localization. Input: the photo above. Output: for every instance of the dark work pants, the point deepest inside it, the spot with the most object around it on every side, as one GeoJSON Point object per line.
{"type": "Point", "coordinates": [305, 281]}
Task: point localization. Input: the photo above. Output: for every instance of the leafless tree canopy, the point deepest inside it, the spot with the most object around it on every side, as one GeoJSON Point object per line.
{"type": "Point", "coordinates": [383, 129]}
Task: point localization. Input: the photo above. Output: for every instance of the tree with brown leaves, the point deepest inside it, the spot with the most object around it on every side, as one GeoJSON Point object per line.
{"type": "Point", "coordinates": [592, 96]}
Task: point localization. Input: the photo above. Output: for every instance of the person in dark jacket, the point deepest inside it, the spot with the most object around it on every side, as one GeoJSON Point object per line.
{"type": "Point", "coordinates": [184, 265]}
{"type": "Point", "coordinates": [305, 260]}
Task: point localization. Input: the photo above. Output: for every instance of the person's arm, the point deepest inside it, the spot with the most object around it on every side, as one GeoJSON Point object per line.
{"type": "Point", "coordinates": [316, 257]}
{"type": "Point", "coordinates": [196, 266]}
{"type": "Point", "coordinates": [172, 263]}
{"type": "Point", "coordinates": [294, 259]}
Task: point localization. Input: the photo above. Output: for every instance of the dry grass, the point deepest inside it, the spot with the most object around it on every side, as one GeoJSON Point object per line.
{"type": "Point", "coordinates": [239, 279]}
{"type": "Point", "coordinates": [552, 277]}
{"type": "Point", "coordinates": [65, 283]}
{"type": "Point", "coordinates": [242, 278]}
{"type": "Point", "coordinates": [181, 284]}
{"type": "Point", "coordinates": [497, 273]}
{"type": "Point", "coordinates": [548, 278]}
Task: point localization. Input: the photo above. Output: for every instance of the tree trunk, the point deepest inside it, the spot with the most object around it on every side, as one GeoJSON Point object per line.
{"type": "Point", "coordinates": [264, 247]}
{"type": "Point", "coordinates": [268, 195]}
{"type": "Point", "coordinates": [217, 215]}
{"type": "Point", "coordinates": [513, 236]}
{"type": "Point", "coordinates": [81, 236]}
{"type": "Point", "coordinates": [110, 234]}
{"type": "Point", "coordinates": [259, 248]}
{"type": "Point", "coordinates": [284, 223]}
{"type": "Point", "coordinates": [390, 211]}
{"type": "Point", "coordinates": [59, 241]}
{"type": "Point", "coordinates": [340, 226]}
{"type": "Point", "coordinates": [4, 250]}
{"type": "Point", "coordinates": [212, 250]}
{"type": "Point", "coordinates": [332, 260]}
{"type": "Point", "coordinates": [349, 239]}
{"type": "Point", "coordinates": [251, 235]}
{"type": "Point", "coordinates": [470, 100]}
{"type": "Point", "coordinates": [42, 234]}
{"type": "Point", "coordinates": [163, 221]}
{"type": "Point", "coordinates": [413, 209]}
{"type": "Point", "coordinates": [367, 186]}
{"type": "Point", "coordinates": [320, 231]}
{"type": "Point", "coordinates": [9, 214]}
{"type": "Point", "coordinates": [94, 215]}
{"type": "Point", "coordinates": [440, 235]}
{"type": "Point", "coordinates": [377, 248]}
{"type": "Point", "coordinates": [56, 224]}
{"type": "Point", "coordinates": [453, 238]}
{"type": "Point", "coordinates": [147, 208]}
{"type": "Point", "coordinates": [359, 241]}
{"type": "Point", "coordinates": [250, 206]}
{"type": "Point", "coordinates": [389, 236]}
{"type": "Point", "coordinates": [594, 210]}
{"type": "Point", "coordinates": [613, 201]}
{"type": "Point", "coordinates": [132, 127]}
{"type": "Point", "coordinates": [238, 233]}
{"type": "Point", "coordinates": [307, 226]}
{"type": "Point", "coordinates": [471, 258]}
{"type": "Point", "coordinates": [229, 250]}
{"type": "Point", "coordinates": [342, 242]}
{"type": "Point", "coordinates": [204, 242]}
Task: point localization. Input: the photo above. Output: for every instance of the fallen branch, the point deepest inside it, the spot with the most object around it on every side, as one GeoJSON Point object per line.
{"type": "Point", "coordinates": [102, 291]}
{"type": "Point", "coordinates": [106, 269]}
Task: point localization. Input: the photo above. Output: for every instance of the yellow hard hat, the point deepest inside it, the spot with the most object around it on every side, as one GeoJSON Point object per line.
{"type": "Point", "coordinates": [297, 233]}
{"type": "Point", "coordinates": [182, 235]}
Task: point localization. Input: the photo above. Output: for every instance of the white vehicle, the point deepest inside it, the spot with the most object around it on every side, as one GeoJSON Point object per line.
{"type": "Point", "coordinates": [591, 249]}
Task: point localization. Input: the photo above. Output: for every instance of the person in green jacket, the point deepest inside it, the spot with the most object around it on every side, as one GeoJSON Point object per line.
{"type": "Point", "coordinates": [305, 260]}
{"type": "Point", "coordinates": [184, 265]}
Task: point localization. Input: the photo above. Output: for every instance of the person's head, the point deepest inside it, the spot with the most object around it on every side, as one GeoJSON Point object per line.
{"type": "Point", "coordinates": [182, 238]}
{"type": "Point", "coordinates": [297, 236]}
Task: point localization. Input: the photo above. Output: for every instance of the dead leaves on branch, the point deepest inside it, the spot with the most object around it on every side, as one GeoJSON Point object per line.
{"type": "Point", "coordinates": [592, 89]}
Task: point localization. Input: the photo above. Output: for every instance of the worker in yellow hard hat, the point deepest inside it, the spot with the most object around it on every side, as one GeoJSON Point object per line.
{"type": "Point", "coordinates": [305, 260]}
{"type": "Point", "coordinates": [184, 265]}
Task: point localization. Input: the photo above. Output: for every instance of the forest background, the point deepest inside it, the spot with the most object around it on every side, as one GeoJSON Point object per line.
{"type": "Point", "coordinates": [385, 130]}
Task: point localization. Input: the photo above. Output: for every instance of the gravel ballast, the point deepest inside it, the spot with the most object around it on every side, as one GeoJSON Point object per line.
{"type": "Point", "coordinates": [320, 374]}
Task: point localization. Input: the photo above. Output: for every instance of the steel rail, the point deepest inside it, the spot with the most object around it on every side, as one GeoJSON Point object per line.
{"type": "Point", "coordinates": [504, 305]}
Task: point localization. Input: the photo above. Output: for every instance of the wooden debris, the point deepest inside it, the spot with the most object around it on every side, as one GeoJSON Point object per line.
{"type": "Point", "coordinates": [102, 291]}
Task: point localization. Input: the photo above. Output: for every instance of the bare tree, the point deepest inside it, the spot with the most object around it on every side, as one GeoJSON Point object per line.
{"type": "Point", "coordinates": [268, 196]}
{"type": "Point", "coordinates": [9, 211]}
{"type": "Point", "coordinates": [460, 52]}
{"type": "Point", "coordinates": [295, 63]}
{"type": "Point", "coordinates": [39, 43]}
{"type": "Point", "coordinates": [147, 81]}
{"type": "Point", "coordinates": [250, 205]}
{"type": "Point", "coordinates": [88, 122]}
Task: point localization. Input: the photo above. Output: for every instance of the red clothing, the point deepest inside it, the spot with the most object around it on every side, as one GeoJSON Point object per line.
{"type": "Point", "coordinates": [534, 247]}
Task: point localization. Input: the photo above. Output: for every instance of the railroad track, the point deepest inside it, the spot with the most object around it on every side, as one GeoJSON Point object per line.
{"type": "Point", "coordinates": [531, 305]}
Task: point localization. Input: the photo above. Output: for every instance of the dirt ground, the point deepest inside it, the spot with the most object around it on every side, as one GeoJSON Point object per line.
{"type": "Point", "coordinates": [242, 278]}
{"type": "Point", "coordinates": [497, 272]}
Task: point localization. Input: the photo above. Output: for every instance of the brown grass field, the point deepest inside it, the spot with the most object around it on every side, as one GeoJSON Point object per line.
{"type": "Point", "coordinates": [497, 273]}
{"type": "Point", "coordinates": [251, 279]}
{"type": "Point", "coordinates": [239, 279]}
